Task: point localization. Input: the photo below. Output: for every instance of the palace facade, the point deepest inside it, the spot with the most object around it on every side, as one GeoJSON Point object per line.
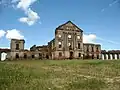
{"type": "Point", "coordinates": [67, 44]}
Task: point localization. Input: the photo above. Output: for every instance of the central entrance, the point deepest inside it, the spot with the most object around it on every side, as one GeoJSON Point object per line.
{"type": "Point", "coordinates": [71, 55]}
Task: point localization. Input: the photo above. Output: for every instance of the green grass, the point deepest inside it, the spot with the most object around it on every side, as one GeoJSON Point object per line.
{"type": "Point", "coordinates": [60, 75]}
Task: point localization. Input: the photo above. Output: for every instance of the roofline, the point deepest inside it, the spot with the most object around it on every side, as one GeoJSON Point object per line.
{"type": "Point", "coordinates": [91, 44]}
{"type": "Point", "coordinates": [68, 22]}
{"type": "Point", "coordinates": [18, 39]}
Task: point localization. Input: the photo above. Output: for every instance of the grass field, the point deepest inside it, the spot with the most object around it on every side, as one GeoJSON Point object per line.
{"type": "Point", "coordinates": [60, 75]}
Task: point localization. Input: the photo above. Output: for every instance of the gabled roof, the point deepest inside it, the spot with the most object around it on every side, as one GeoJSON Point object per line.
{"type": "Point", "coordinates": [69, 22]}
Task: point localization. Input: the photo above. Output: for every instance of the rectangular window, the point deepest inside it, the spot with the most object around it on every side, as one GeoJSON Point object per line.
{"type": "Point", "coordinates": [60, 54]}
{"type": "Point", "coordinates": [70, 47]}
{"type": "Point", "coordinates": [78, 45]}
{"type": "Point", "coordinates": [87, 49]}
{"type": "Point", "coordinates": [17, 46]}
{"type": "Point", "coordinates": [92, 49]}
{"type": "Point", "coordinates": [60, 45]}
{"type": "Point", "coordinates": [33, 56]}
{"type": "Point", "coordinates": [79, 54]}
{"type": "Point", "coordinates": [97, 49]}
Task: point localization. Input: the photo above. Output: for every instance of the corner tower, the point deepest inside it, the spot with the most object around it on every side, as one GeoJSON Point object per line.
{"type": "Point", "coordinates": [17, 45]}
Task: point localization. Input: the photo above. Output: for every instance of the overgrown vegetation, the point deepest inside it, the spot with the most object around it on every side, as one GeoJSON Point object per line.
{"type": "Point", "coordinates": [60, 75]}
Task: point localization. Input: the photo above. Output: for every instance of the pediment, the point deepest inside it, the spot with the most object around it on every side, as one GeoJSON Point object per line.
{"type": "Point", "coordinates": [69, 26]}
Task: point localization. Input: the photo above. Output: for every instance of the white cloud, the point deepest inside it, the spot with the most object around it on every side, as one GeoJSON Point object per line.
{"type": "Point", "coordinates": [14, 34]}
{"type": "Point", "coordinates": [110, 5]}
{"type": "Point", "coordinates": [25, 4]}
{"type": "Point", "coordinates": [2, 33]}
{"type": "Point", "coordinates": [31, 19]}
{"type": "Point", "coordinates": [31, 16]}
{"type": "Point", "coordinates": [89, 38]}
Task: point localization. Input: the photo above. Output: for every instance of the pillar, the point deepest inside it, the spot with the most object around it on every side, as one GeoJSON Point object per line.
{"type": "Point", "coordinates": [115, 56]}
{"type": "Point", "coordinates": [119, 56]}
{"type": "Point", "coordinates": [111, 57]}
{"type": "Point", "coordinates": [102, 56]}
{"type": "Point", "coordinates": [106, 56]}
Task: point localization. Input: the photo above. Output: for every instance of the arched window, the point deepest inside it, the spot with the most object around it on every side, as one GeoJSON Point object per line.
{"type": "Point", "coordinates": [33, 56]}
{"type": "Point", "coordinates": [25, 55]}
{"type": "Point", "coordinates": [59, 36]}
{"type": "Point", "coordinates": [69, 44]}
{"type": "Point", "coordinates": [60, 44]}
{"type": "Point", "coordinates": [78, 37]}
{"type": "Point", "coordinates": [60, 54]}
{"type": "Point", "coordinates": [69, 36]}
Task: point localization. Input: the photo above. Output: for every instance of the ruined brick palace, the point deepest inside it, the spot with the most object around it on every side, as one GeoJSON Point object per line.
{"type": "Point", "coordinates": [67, 44]}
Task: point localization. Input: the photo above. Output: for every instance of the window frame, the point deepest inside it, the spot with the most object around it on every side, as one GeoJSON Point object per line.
{"type": "Point", "coordinates": [17, 46]}
{"type": "Point", "coordinates": [60, 54]}
{"type": "Point", "coordinates": [79, 45]}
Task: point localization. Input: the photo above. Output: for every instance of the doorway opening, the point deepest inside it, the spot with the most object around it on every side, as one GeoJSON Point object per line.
{"type": "Point", "coordinates": [25, 56]}
{"type": "Point", "coordinates": [17, 55]}
{"type": "Point", "coordinates": [92, 56]}
{"type": "Point", "coordinates": [98, 57]}
{"type": "Point", "coordinates": [71, 55]}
